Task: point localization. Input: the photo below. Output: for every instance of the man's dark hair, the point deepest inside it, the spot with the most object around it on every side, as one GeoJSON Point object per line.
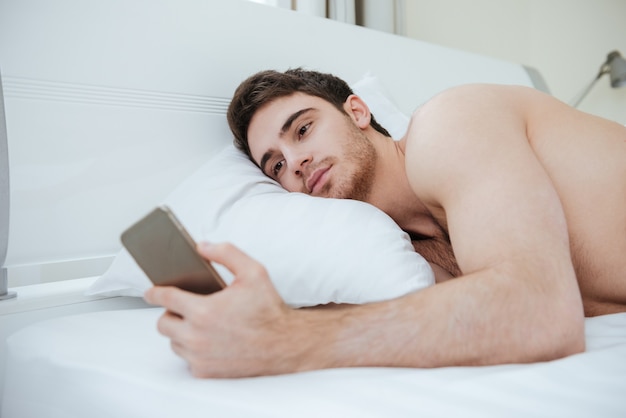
{"type": "Point", "coordinates": [266, 86]}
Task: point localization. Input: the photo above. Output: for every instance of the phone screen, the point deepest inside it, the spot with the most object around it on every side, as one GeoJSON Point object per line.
{"type": "Point", "coordinates": [167, 254]}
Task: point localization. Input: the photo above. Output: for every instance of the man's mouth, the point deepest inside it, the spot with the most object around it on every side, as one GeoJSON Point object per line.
{"type": "Point", "coordinates": [316, 180]}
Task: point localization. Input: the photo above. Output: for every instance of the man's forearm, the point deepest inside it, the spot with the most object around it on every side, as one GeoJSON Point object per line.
{"type": "Point", "coordinates": [469, 321]}
{"type": "Point", "coordinates": [493, 316]}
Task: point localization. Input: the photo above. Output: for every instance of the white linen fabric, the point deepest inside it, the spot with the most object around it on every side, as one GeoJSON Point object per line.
{"type": "Point", "coordinates": [316, 250]}
{"type": "Point", "coordinates": [372, 91]}
{"type": "Point", "coordinates": [115, 364]}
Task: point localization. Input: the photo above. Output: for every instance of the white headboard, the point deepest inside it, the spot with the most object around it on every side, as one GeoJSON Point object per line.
{"type": "Point", "coordinates": [109, 104]}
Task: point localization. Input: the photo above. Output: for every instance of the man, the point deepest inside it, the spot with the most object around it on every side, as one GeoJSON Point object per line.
{"type": "Point", "coordinates": [530, 193]}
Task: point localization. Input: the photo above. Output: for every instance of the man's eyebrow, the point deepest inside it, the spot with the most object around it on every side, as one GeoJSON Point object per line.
{"type": "Point", "coordinates": [287, 125]}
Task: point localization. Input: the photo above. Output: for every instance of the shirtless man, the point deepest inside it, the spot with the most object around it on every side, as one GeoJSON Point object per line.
{"type": "Point", "coordinates": [530, 193]}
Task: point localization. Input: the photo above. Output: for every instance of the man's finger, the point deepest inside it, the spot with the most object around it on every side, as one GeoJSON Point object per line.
{"type": "Point", "coordinates": [171, 298]}
{"type": "Point", "coordinates": [231, 257]}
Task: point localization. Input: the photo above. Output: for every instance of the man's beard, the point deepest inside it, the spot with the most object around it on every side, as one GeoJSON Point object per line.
{"type": "Point", "coordinates": [359, 153]}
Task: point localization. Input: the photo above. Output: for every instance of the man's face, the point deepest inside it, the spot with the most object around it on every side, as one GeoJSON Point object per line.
{"type": "Point", "coordinates": [309, 146]}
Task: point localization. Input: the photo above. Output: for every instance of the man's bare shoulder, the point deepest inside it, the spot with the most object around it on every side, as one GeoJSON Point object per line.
{"type": "Point", "coordinates": [474, 116]}
{"type": "Point", "coordinates": [472, 97]}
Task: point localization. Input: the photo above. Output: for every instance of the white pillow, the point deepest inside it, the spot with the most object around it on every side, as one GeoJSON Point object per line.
{"type": "Point", "coordinates": [383, 109]}
{"type": "Point", "coordinates": [316, 250]}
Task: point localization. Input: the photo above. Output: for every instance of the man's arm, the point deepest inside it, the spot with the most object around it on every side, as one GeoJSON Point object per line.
{"type": "Point", "coordinates": [246, 330]}
{"type": "Point", "coordinates": [471, 160]}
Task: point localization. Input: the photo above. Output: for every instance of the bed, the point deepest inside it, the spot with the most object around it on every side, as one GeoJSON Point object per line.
{"type": "Point", "coordinates": [115, 107]}
{"type": "Point", "coordinates": [93, 367]}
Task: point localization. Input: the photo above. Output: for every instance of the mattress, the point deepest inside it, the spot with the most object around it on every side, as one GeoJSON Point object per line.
{"type": "Point", "coordinates": [115, 364]}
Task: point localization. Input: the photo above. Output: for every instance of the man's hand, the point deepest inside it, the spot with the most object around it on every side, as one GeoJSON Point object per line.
{"type": "Point", "coordinates": [239, 331]}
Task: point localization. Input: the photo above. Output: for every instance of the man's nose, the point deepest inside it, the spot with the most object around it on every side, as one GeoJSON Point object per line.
{"type": "Point", "coordinates": [301, 167]}
{"type": "Point", "coordinates": [299, 162]}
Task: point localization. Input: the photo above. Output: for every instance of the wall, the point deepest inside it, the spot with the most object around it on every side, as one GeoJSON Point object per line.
{"type": "Point", "coordinates": [566, 40]}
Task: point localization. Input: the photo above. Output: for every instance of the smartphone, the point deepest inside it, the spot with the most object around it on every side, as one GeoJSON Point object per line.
{"type": "Point", "coordinates": [167, 254]}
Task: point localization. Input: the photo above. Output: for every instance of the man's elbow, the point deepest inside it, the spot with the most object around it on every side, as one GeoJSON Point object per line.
{"type": "Point", "coordinates": [567, 334]}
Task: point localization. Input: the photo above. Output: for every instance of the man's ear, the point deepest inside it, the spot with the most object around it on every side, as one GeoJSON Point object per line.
{"type": "Point", "coordinates": [356, 108]}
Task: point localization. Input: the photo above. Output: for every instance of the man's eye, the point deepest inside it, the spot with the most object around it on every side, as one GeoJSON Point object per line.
{"type": "Point", "coordinates": [277, 167]}
{"type": "Point", "coordinates": [303, 130]}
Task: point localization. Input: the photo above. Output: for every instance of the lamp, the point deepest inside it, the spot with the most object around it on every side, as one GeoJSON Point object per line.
{"type": "Point", "coordinates": [614, 65]}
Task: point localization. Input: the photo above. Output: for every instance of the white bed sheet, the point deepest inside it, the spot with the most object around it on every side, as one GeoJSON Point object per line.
{"type": "Point", "coordinates": [115, 364]}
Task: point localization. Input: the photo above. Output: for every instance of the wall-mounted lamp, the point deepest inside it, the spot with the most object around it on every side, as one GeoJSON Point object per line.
{"type": "Point", "coordinates": [614, 65]}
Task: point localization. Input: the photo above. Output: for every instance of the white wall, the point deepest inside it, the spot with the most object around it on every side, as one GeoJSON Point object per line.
{"type": "Point", "coordinates": [566, 40]}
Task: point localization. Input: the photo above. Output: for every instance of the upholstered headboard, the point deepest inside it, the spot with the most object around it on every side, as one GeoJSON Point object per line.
{"type": "Point", "coordinates": [109, 104]}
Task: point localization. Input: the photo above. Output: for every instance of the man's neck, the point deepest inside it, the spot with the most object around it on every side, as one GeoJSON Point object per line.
{"type": "Point", "coordinates": [393, 194]}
